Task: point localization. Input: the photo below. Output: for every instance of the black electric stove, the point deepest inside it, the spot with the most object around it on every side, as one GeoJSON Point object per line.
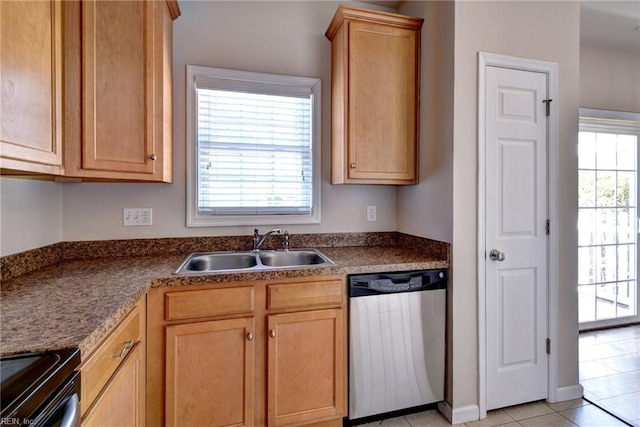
{"type": "Point", "coordinates": [39, 388]}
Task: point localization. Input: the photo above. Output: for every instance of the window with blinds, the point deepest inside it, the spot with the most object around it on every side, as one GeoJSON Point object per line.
{"type": "Point", "coordinates": [253, 141]}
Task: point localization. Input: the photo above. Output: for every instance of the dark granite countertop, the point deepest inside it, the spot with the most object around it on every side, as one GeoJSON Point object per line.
{"type": "Point", "coordinates": [74, 303]}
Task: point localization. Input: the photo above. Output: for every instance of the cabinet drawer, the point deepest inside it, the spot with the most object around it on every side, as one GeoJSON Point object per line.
{"type": "Point", "coordinates": [100, 366]}
{"type": "Point", "coordinates": [318, 293]}
{"type": "Point", "coordinates": [209, 302]}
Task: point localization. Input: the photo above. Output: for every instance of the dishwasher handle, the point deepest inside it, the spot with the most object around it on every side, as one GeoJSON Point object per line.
{"type": "Point", "coordinates": [387, 283]}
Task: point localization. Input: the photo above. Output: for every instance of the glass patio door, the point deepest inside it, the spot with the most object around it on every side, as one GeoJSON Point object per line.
{"type": "Point", "coordinates": [607, 222]}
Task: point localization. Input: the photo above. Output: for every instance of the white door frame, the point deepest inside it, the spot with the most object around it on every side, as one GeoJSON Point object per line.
{"type": "Point", "coordinates": [551, 70]}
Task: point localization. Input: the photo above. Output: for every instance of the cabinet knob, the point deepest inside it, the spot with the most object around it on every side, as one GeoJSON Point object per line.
{"type": "Point", "coordinates": [272, 333]}
{"type": "Point", "coordinates": [153, 157]}
{"type": "Point", "coordinates": [352, 165]}
{"type": "Point", "coordinates": [250, 336]}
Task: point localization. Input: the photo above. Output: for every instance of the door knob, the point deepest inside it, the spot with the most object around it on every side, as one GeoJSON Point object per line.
{"type": "Point", "coordinates": [496, 255]}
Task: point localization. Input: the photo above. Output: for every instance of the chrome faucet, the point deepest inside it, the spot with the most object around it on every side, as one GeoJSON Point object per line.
{"type": "Point", "coordinates": [258, 241]}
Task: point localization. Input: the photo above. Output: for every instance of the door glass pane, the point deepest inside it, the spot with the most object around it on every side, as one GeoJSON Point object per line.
{"type": "Point", "coordinates": [605, 226]}
{"type": "Point", "coordinates": [586, 303]}
{"type": "Point", "coordinates": [606, 151]}
{"type": "Point", "coordinates": [606, 301]}
{"type": "Point", "coordinates": [606, 264]}
{"type": "Point", "coordinates": [587, 150]}
{"type": "Point", "coordinates": [586, 265]}
{"type": "Point", "coordinates": [626, 152]}
{"type": "Point", "coordinates": [626, 262]}
{"type": "Point", "coordinates": [587, 188]}
{"type": "Point", "coordinates": [625, 189]}
{"type": "Point", "coordinates": [606, 189]}
{"type": "Point", "coordinates": [586, 220]}
{"type": "Point", "coordinates": [625, 230]}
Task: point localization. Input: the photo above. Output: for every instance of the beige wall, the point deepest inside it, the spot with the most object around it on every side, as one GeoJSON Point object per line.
{"type": "Point", "coordinates": [427, 209]}
{"type": "Point", "coordinates": [30, 214]}
{"type": "Point", "coordinates": [271, 37]}
{"type": "Point", "coordinates": [511, 28]}
{"type": "Point", "coordinates": [609, 79]}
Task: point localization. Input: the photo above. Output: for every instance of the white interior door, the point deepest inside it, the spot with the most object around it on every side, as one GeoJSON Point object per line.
{"type": "Point", "coordinates": [516, 234]}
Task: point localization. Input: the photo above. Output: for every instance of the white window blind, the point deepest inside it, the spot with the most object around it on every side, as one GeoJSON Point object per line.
{"type": "Point", "coordinates": [254, 153]}
{"type": "Point", "coordinates": [254, 145]}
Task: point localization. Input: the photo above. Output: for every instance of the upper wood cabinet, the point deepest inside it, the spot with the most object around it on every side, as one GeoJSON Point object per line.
{"type": "Point", "coordinates": [118, 58]}
{"type": "Point", "coordinates": [375, 83]}
{"type": "Point", "coordinates": [31, 86]}
{"type": "Point", "coordinates": [86, 89]}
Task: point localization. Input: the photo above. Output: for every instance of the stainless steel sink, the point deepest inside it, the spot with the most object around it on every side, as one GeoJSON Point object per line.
{"type": "Point", "coordinates": [291, 258]}
{"type": "Point", "coordinates": [236, 262]}
{"type": "Point", "coordinates": [219, 261]}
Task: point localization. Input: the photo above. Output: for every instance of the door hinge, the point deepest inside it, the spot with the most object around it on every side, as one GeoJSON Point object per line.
{"type": "Point", "coordinates": [548, 346]}
{"type": "Point", "coordinates": [547, 103]}
{"type": "Point", "coordinates": [548, 227]}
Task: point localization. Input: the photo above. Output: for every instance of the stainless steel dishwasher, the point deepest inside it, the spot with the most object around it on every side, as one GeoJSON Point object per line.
{"type": "Point", "coordinates": [396, 341]}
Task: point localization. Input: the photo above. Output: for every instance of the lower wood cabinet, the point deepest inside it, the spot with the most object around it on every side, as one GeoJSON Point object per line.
{"type": "Point", "coordinates": [275, 357]}
{"type": "Point", "coordinates": [209, 368]}
{"type": "Point", "coordinates": [305, 368]}
{"type": "Point", "coordinates": [113, 376]}
{"type": "Point", "coordinates": [122, 401]}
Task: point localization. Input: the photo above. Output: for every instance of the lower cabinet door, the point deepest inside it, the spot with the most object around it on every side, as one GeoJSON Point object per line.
{"type": "Point", "coordinates": [209, 373]}
{"type": "Point", "coordinates": [306, 368]}
{"type": "Point", "coordinates": [121, 403]}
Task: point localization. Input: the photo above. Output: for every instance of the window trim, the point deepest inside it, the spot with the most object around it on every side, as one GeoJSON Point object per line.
{"type": "Point", "coordinates": [194, 218]}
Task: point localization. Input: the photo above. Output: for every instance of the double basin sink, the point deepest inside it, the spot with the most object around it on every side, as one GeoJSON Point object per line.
{"type": "Point", "coordinates": [232, 262]}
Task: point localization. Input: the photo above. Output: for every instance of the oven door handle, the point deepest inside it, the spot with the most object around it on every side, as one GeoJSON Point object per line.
{"type": "Point", "coordinates": [71, 417]}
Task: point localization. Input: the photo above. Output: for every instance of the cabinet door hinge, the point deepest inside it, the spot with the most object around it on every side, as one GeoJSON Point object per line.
{"type": "Point", "coordinates": [548, 227]}
{"type": "Point", "coordinates": [547, 103]}
{"type": "Point", "coordinates": [548, 346]}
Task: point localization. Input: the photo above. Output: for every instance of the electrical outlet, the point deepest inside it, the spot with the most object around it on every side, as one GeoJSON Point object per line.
{"type": "Point", "coordinates": [371, 213]}
{"type": "Point", "coordinates": [136, 216]}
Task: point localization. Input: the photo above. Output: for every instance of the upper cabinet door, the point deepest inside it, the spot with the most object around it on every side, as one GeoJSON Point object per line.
{"type": "Point", "coordinates": [31, 86]}
{"type": "Point", "coordinates": [382, 102]}
{"type": "Point", "coordinates": [375, 97]}
{"type": "Point", "coordinates": [118, 86]}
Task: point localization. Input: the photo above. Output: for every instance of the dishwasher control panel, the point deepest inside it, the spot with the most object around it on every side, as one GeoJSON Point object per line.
{"type": "Point", "coordinates": [406, 281]}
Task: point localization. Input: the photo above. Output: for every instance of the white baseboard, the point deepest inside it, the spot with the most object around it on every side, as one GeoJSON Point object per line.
{"type": "Point", "coordinates": [569, 393]}
{"type": "Point", "coordinates": [463, 414]}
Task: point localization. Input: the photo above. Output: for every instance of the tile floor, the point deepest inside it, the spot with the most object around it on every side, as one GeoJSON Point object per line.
{"type": "Point", "coordinates": [536, 414]}
{"type": "Point", "coordinates": [610, 370]}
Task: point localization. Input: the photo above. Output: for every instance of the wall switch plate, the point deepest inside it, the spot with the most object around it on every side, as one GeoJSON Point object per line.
{"type": "Point", "coordinates": [136, 216]}
{"type": "Point", "coordinates": [371, 213]}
